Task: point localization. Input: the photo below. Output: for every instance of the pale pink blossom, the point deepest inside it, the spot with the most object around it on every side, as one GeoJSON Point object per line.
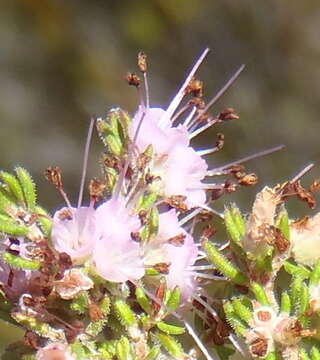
{"type": "Point", "coordinates": [116, 257]}
{"type": "Point", "coordinates": [179, 257]}
{"type": "Point", "coordinates": [305, 239]}
{"type": "Point", "coordinates": [55, 351]}
{"type": "Point", "coordinates": [74, 282]}
{"type": "Point", "coordinates": [160, 134]}
{"type": "Point", "coordinates": [74, 232]}
{"type": "Point", "coordinates": [178, 165]}
{"type": "Point", "coordinates": [260, 222]}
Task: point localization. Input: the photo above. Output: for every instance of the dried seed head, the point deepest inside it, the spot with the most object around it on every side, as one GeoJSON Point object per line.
{"type": "Point", "coordinates": [53, 174]}
{"type": "Point", "coordinates": [209, 232]}
{"type": "Point", "coordinates": [142, 62]}
{"type": "Point", "coordinates": [133, 79]}
{"type": "Point", "coordinates": [228, 114]}
{"type": "Point", "coordinates": [177, 202]}
{"type": "Point", "coordinates": [248, 180]}
{"type": "Point", "coordinates": [315, 186]}
{"type": "Point", "coordinates": [96, 189]}
{"type": "Point", "coordinates": [177, 240]}
{"type": "Point", "coordinates": [65, 214]}
{"type": "Point", "coordinates": [197, 102]}
{"type": "Point", "coordinates": [220, 141]}
{"type": "Point", "coordinates": [288, 331]}
{"type": "Point", "coordinates": [135, 236]}
{"type": "Point", "coordinates": [95, 312]}
{"type": "Point", "coordinates": [305, 195]}
{"type": "Point", "coordinates": [162, 268]}
{"type": "Point", "coordinates": [195, 87]}
{"type": "Point", "coordinates": [260, 342]}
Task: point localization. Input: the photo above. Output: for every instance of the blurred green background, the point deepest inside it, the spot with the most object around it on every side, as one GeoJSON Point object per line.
{"type": "Point", "coordinates": [62, 61]}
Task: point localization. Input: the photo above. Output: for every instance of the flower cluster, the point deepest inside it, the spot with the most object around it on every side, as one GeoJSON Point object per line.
{"type": "Point", "coordinates": [124, 275]}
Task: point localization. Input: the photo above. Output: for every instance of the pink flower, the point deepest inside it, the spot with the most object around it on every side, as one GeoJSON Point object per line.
{"type": "Point", "coordinates": [174, 246]}
{"type": "Point", "coordinates": [55, 351]}
{"type": "Point", "coordinates": [116, 257]}
{"type": "Point", "coordinates": [178, 165]}
{"type": "Point", "coordinates": [161, 135]}
{"type": "Point", "coordinates": [74, 232]}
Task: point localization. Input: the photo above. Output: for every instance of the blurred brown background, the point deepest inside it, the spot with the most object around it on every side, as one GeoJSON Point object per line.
{"type": "Point", "coordinates": [61, 61]}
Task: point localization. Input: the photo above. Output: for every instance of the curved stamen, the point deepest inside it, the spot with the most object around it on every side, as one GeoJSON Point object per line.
{"type": "Point", "coordinates": [181, 93]}
{"type": "Point", "coordinates": [219, 170]}
{"type": "Point", "coordinates": [85, 161]}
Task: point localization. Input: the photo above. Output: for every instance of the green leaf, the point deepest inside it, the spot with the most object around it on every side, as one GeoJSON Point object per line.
{"type": "Point", "coordinates": [123, 349]}
{"type": "Point", "coordinates": [171, 345]}
{"type": "Point", "coordinates": [315, 275]}
{"type": "Point", "coordinates": [154, 352]}
{"type": "Point", "coordinates": [79, 350]}
{"type": "Point", "coordinates": [80, 303]}
{"type": "Point", "coordinates": [170, 329]}
{"type": "Point", "coordinates": [259, 293]}
{"type": "Point", "coordinates": [285, 303]}
{"type": "Point", "coordinates": [315, 353]}
{"type": "Point", "coordinates": [303, 355]}
{"type": "Point", "coordinates": [273, 356]}
{"type": "Point", "coordinates": [114, 145]}
{"type": "Point", "coordinates": [235, 224]}
{"type": "Point", "coordinates": [124, 312]}
{"type": "Point", "coordinates": [8, 203]}
{"type": "Point", "coordinates": [45, 220]}
{"type": "Point", "coordinates": [147, 201]}
{"type": "Point", "coordinates": [28, 187]}
{"type": "Point", "coordinates": [295, 293]}
{"type": "Point", "coordinates": [296, 270]}
{"type": "Point", "coordinates": [13, 185]}
{"type": "Point", "coordinates": [10, 227]}
{"type": "Point", "coordinates": [143, 300]}
{"type": "Point", "coordinates": [304, 299]}
{"type": "Point", "coordinates": [174, 299]}
{"type": "Point", "coordinates": [242, 311]}
{"type": "Point", "coordinates": [282, 222]}
{"type": "Point", "coordinates": [223, 265]}
{"type": "Point", "coordinates": [20, 263]}
{"type": "Point", "coordinates": [233, 319]}
{"type": "Point", "coordinates": [154, 221]}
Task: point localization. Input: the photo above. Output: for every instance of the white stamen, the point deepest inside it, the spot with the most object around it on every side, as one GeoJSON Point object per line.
{"type": "Point", "coordinates": [146, 87]}
{"type": "Point", "coordinates": [190, 116]}
{"type": "Point", "coordinates": [302, 173]}
{"type": "Point", "coordinates": [201, 267]}
{"type": "Point", "coordinates": [201, 257]}
{"type": "Point", "coordinates": [190, 216]}
{"type": "Point", "coordinates": [179, 113]}
{"type": "Point", "coordinates": [85, 161]}
{"type": "Point", "coordinates": [208, 276]}
{"type": "Point", "coordinates": [181, 93]}
{"type": "Point", "coordinates": [202, 129]}
{"type": "Point", "coordinates": [218, 170]}
{"type": "Point", "coordinates": [223, 247]}
{"type": "Point", "coordinates": [207, 151]}
{"type": "Point", "coordinates": [208, 186]}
